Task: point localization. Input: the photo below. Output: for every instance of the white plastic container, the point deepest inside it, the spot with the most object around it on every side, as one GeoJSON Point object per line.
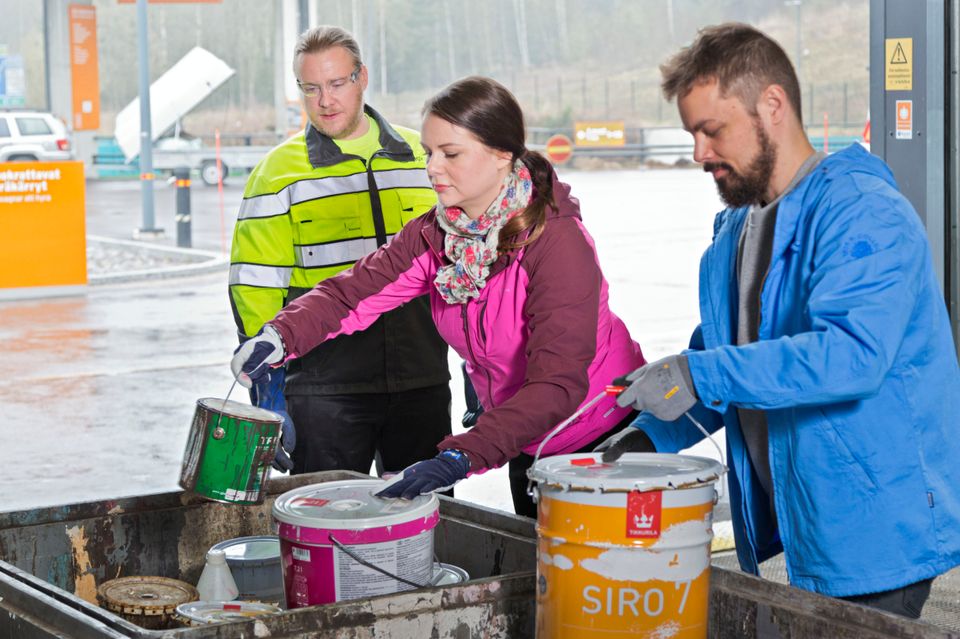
{"type": "Point", "coordinates": [255, 565]}
{"type": "Point", "coordinates": [216, 581]}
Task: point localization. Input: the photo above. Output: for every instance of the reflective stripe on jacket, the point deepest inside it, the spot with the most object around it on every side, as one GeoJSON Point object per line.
{"type": "Point", "coordinates": [857, 372]}
{"type": "Point", "coordinates": [309, 212]}
{"type": "Point", "coordinates": [539, 341]}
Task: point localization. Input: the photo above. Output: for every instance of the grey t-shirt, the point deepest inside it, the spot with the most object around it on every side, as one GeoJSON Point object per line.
{"type": "Point", "coordinates": [753, 261]}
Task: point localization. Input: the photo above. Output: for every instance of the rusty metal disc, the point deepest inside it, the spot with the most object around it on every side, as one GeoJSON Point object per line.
{"type": "Point", "coordinates": [145, 596]}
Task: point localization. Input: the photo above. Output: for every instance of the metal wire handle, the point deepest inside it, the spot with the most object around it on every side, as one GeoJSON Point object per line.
{"type": "Point", "coordinates": [708, 436]}
{"type": "Point", "coordinates": [613, 390]}
{"type": "Point", "coordinates": [609, 390]}
{"type": "Point", "coordinates": [360, 560]}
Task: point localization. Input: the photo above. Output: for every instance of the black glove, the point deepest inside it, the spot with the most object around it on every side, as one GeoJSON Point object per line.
{"type": "Point", "coordinates": [429, 476]}
{"type": "Point", "coordinates": [252, 360]}
{"type": "Point", "coordinates": [474, 409]}
{"type": "Point", "coordinates": [628, 440]}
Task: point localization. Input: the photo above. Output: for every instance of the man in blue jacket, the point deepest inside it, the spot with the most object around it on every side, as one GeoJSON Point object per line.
{"type": "Point", "coordinates": [824, 345]}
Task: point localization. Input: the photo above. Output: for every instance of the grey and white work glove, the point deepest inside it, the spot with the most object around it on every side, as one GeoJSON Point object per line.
{"type": "Point", "coordinates": [627, 440]}
{"type": "Point", "coordinates": [663, 388]}
{"type": "Point", "coordinates": [252, 360]}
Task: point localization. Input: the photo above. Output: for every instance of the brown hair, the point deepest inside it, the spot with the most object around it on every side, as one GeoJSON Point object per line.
{"type": "Point", "coordinates": [741, 59]}
{"type": "Point", "coordinates": [489, 111]}
{"type": "Point", "coordinates": [322, 38]}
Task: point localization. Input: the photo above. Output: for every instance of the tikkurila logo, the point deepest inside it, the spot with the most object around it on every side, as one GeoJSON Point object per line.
{"type": "Point", "coordinates": [643, 514]}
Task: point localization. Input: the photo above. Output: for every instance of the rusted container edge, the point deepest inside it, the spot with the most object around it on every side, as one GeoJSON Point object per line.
{"type": "Point", "coordinates": [744, 606]}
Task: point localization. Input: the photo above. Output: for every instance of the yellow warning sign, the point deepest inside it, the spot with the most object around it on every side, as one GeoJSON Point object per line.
{"type": "Point", "coordinates": [899, 64]}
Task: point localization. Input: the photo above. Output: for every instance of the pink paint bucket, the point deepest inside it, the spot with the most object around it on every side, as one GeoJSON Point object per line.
{"type": "Point", "coordinates": [329, 531]}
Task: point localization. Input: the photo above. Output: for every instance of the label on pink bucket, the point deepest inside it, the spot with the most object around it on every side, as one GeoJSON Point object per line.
{"type": "Point", "coordinates": [394, 535]}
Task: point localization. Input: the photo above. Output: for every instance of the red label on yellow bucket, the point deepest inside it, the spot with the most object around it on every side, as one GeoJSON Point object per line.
{"type": "Point", "coordinates": [643, 514]}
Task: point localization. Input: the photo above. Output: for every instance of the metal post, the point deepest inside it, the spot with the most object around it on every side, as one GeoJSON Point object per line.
{"type": "Point", "coordinates": [846, 118]}
{"type": "Point", "coordinates": [146, 136]}
{"type": "Point", "coordinates": [559, 93]}
{"type": "Point", "coordinates": [182, 176]}
{"type": "Point", "coordinates": [952, 139]}
{"type": "Point", "coordinates": [303, 15]}
{"type": "Point", "coordinates": [46, 54]}
{"type": "Point", "coordinates": [606, 97]}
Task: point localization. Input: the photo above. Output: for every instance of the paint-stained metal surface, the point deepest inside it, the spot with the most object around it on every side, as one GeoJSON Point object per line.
{"type": "Point", "coordinates": [52, 560]}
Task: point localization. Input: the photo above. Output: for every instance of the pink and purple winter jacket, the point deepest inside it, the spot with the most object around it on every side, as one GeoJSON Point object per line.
{"type": "Point", "coordinates": [539, 342]}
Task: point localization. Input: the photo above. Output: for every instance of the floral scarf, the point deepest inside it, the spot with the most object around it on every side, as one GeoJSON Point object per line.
{"type": "Point", "coordinates": [472, 244]}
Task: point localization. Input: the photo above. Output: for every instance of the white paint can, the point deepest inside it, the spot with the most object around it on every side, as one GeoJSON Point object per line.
{"type": "Point", "coordinates": [339, 541]}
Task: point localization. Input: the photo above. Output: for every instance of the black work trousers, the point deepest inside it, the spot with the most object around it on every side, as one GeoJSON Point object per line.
{"type": "Point", "coordinates": [906, 602]}
{"type": "Point", "coordinates": [523, 503]}
{"type": "Point", "coordinates": [347, 432]}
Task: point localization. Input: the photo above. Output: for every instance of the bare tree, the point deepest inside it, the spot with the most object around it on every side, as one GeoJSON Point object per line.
{"type": "Point", "coordinates": [520, 16]}
{"type": "Point", "coordinates": [448, 23]}
{"type": "Point", "coordinates": [383, 46]}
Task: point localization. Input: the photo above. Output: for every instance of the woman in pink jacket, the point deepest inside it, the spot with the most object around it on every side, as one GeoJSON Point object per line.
{"type": "Point", "coordinates": [515, 288]}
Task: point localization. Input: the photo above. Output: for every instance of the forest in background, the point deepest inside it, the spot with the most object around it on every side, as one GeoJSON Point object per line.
{"type": "Point", "coordinates": [564, 59]}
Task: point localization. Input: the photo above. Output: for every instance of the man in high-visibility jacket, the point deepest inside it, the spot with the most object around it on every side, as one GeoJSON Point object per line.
{"type": "Point", "coordinates": [312, 207]}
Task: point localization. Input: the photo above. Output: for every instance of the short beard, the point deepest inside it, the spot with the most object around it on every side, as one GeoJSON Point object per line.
{"type": "Point", "coordinates": [738, 190]}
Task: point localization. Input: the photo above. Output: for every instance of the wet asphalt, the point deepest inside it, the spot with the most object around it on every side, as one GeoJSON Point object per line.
{"type": "Point", "coordinates": [97, 391]}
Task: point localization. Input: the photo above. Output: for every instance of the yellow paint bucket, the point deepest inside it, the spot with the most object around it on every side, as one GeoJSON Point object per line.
{"type": "Point", "coordinates": [624, 548]}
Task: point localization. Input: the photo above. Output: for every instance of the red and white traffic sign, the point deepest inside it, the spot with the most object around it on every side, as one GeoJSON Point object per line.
{"type": "Point", "coordinates": [559, 148]}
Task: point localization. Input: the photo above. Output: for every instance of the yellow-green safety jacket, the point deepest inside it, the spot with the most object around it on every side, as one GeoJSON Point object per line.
{"type": "Point", "coordinates": [309, 212]}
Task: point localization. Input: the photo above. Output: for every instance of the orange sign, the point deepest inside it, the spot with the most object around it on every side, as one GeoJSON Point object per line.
{"type": "Point", "coordinates": [559, 148]}
{"type": "Point", "coordinates": [84, 67]}
{"type": "Point", "coordinates": [904, 119]}
{"type": "Point", "coordinates": [42, 213]}
{"type": "Point", "coordinates": [606, 133]}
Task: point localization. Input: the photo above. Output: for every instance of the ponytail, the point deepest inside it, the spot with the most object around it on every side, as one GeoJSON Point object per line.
{"type": "Point", "coordinates": [533, 219]}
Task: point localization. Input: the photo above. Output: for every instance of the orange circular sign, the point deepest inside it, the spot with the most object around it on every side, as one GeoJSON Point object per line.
{"type": "Point", "coordinates": [559, 148]}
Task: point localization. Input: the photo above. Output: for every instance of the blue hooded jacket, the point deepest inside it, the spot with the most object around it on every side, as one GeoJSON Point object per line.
{"type": "Point", "coordinates": [857, 372]}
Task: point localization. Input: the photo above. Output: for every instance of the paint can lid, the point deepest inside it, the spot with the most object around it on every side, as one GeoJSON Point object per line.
{"type": "Point", "coordinates": [198, 613]}
{"type": "Point", "coordinates": [349, 505]}
{"type": "Point", "coordinates": [448, 574]}
{"type": "Point", "coordinates": [250, 551]}
{"type": "Point", "coordinates": [146, 596]}
{"type": "Point", "coordinates": [633, 471]}
{"type": "Point", "coordinates": [231, 408]}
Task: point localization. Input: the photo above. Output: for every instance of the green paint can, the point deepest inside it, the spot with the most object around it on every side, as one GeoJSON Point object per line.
{"type": "Point", "coordinates": [229, 451]}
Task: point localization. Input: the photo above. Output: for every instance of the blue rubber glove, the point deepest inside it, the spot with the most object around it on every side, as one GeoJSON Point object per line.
{"type": "Point", "coordinates": [253, 359]}
{"type": "Point", "coordinates": [269, 395]}
{"type": "Point", "coordinates": [429, 476]}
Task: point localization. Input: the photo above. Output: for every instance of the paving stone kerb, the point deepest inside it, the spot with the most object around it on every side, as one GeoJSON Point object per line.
{"type": "Point", "coordinates": [112, 261]}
